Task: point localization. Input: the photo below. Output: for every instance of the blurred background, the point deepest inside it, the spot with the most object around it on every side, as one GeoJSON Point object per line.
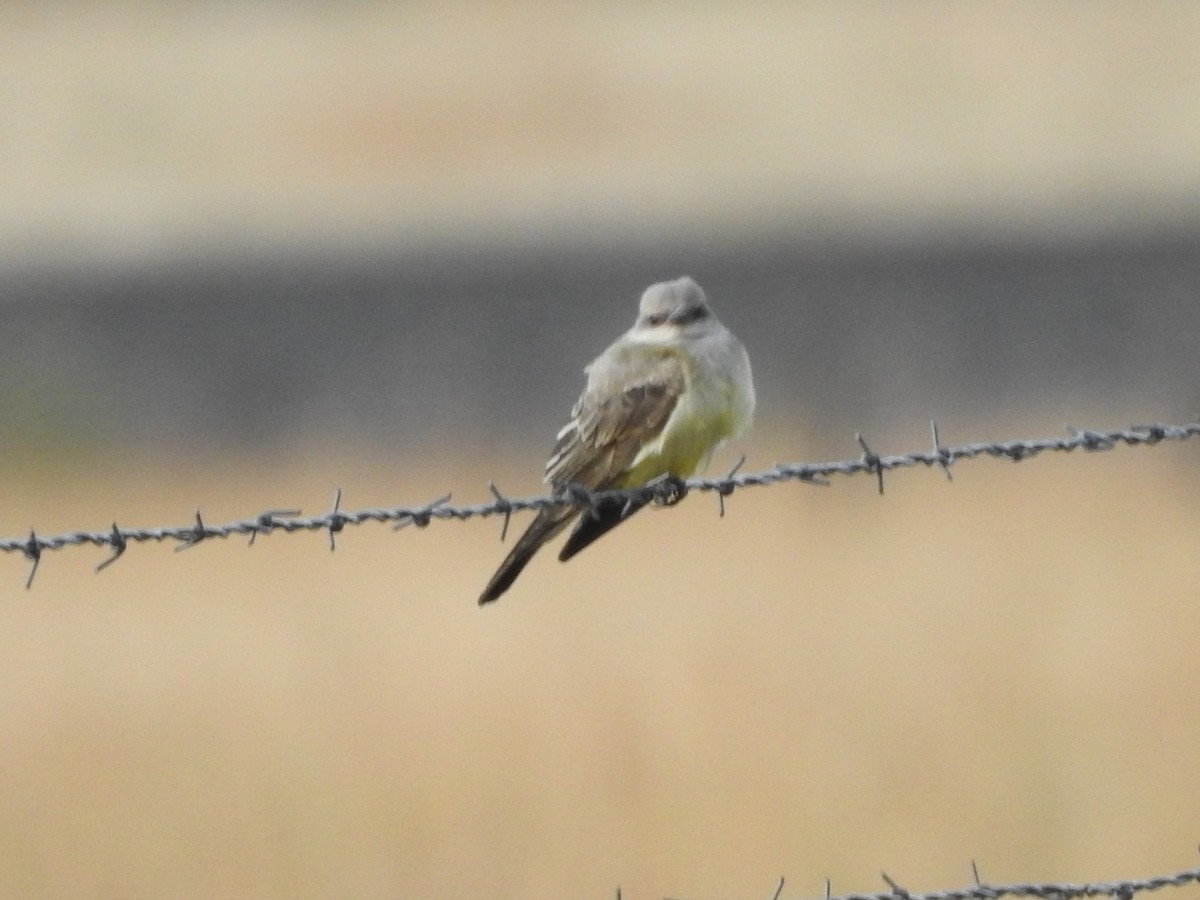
{"type": "Point", "coordinates": [252, 253]}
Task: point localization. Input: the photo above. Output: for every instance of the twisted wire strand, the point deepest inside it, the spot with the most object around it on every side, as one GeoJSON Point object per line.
{"type": "Point", "coordinates": [1120, 890]}
{"type": "Point", "coordinates": [664, 491]}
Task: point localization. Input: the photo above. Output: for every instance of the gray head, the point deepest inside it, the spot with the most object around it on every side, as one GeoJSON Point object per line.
{"type": "Point", "coordinates": [671, 308]}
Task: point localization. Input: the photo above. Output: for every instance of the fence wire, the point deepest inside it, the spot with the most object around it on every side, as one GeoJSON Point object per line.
{"type": "Point", "coordinates": [1118, 890]}
{"type": "Point", "coordinates": [664, 492]}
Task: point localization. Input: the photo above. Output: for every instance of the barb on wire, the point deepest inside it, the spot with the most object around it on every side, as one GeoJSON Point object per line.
{"type": "Point", "coordinates": [33, 552]}
{"type": "Point", "coordinates": [943, 455]}
{"type": "Point", "coordinates": [503, 507]}
{"type": "Point", "coordinates": [1118, 890]}
{"type": "Point", "coordinates": [336, 521]}
{"type": "Point", "coordinates": [871, 461]}
{"type": "Point", "coordinates": [266, 522]}
{"type": "Point", "coordinates": [897, 891]}
{"type": "Point", "coordinates": [193, 535]}
{"type": "Point", "coordinates": [727, 488]}
{"type": "Point", "coordinates": [665, 491]}
{"type": "Point", "coordinates": [119, 544]}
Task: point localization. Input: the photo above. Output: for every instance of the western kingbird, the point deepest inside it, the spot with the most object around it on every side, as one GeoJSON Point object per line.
{"type": "Point", "coordinates": [658, 402]}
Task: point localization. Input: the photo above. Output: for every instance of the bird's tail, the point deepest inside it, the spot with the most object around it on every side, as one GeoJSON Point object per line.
{"type": "Point", "coordinates": [545, 526]}
{"type": "Point", "coordinates": [597, 522]}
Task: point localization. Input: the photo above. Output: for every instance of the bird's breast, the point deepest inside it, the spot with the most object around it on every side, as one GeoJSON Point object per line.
{"type": "Point", "coordinates": [716, 406]}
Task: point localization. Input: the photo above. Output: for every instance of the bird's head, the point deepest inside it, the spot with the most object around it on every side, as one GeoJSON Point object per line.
{"type": "Point", "coordinates": [671, 310]}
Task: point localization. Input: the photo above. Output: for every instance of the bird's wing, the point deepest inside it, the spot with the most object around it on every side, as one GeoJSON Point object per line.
{"type": "Point", "coordinates": [630, 395]}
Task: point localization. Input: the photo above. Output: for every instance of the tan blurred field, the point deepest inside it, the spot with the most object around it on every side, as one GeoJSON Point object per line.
{"type": "Point", "coordinates": [822, 683]}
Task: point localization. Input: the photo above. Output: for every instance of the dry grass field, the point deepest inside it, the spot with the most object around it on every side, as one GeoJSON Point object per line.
{"type": "Point", "coordinates": [823, 683]}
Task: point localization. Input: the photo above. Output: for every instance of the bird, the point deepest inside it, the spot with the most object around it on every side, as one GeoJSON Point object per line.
{"type": "Point", "coordinates": [658, 402]}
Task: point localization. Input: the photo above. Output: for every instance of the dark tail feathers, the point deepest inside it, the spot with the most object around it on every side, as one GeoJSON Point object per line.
{"type": "Point", "coordinates": [546, 525]}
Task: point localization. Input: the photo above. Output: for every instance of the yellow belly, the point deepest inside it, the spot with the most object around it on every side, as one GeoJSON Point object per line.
{"type": "Point", "coordinates": [686, 442]}
{"type": "Point", "coordinates": [716, 406]}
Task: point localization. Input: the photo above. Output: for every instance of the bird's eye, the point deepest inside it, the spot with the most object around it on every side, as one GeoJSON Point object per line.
{"type": "Point", "coordinates": [656, 318]}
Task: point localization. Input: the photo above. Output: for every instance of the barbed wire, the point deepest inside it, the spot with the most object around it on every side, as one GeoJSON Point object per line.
{"type": "Point", "coordinates": [664, 492]}
{"type": "Point", "coordinates": [1118, 890]}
